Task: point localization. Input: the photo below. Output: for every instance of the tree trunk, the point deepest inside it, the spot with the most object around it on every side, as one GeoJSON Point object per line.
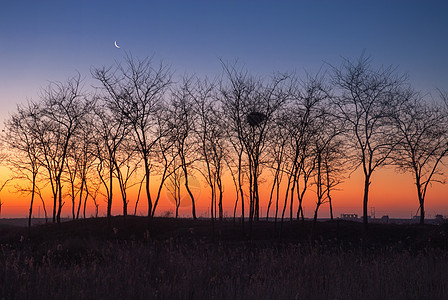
{"type": "Point", "coordinates": [85, 202]}
{"type": "Point", "coordinates": [193, 206]}
{"type": "Point", "coordinates": [331, 207]}
{"type": "Point", "coordinates": [251, 194]}
{"type": "Point", "coordinates": [421, 200]}
{"type": "Point", "coordinates": [257, 200]}
{"type": "Point", "coordinates": [125, 207]}
{"type": "Point", "coordinates": [212, 211]}
{"type": "Point", "coordinates": [109, 200]}
{"type": "Point", "coordinates": [148, 192]}
{"type": "Point", "coordinates": [277, 195]}
{"type": "Point", "coordinates": [270, 196]}
{"type": "Point", "coordinates": [315, 213]}
{"type": "Point", "coordinates": [240, 186]}
{"type": "Point", "coordinates": [73, 200]}
{"type": "Point", "coordinates": [286, 197]}
{"type": "Point", "coordinates": [81, 190]}
{"type": "Point", "coordinates": [55, 200]}
{"type": "Point", "coordinates": [328, 190]}
{"type": "Point", "coordinates": [220, 191]}
{"type": "Point", "coordinates": [256, 196]}
{"type": "Point", "coordinates": [365, 201]}
{"type": "Point", "coordinates": [60, 200]}
{"type": "Point", "coordinates": [422, 213]}
{"type": "Point", "coordinates": [31, 204]}
{"type": "Point", "coordinates": [291, 202]}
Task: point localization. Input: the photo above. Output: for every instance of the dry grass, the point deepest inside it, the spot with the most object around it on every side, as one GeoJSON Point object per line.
{"type": "Point", "coordinates": [182, 267]}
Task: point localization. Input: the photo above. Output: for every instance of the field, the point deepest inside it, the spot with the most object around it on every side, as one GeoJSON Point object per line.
{"type": "Point", "coordinates": [186, 259]}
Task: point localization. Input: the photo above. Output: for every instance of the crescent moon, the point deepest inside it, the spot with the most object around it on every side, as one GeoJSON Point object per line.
{"type": "Point", "coordinates": [115, 43]}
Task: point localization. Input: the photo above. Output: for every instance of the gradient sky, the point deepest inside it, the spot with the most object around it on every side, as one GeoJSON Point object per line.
{"type": "Point", "coordinates": [43, 41]}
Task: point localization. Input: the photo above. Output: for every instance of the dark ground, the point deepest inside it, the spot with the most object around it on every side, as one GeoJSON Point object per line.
{"type": "Point", "coordinates": [188, 259]}
{"type": "Point", "coordinates": [337, 233]}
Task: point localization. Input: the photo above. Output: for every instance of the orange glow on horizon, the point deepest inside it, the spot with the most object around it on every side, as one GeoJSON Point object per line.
{"type": "Point", "coordinates": [391, 193]}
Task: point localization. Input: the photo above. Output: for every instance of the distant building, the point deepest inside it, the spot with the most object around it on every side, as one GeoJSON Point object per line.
{"type": "Point", "coordinates": [385, 219]}
{"type": "Point", "coordinates": [349, 217]}
{"type": "Point", "coordinates": [439, 219]}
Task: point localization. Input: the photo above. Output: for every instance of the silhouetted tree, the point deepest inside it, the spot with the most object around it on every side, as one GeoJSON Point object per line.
{"type": "Point", "coordinates": [80, 162]}
{"type": "Point", "coordinates": [235, 172]}
{"type": "Point", "coordinates": [24, 159]}
{"type": "Point", "coordinates": [3, 157]}
{"type": "Point", "coordinates": [61, 109]}
{"type": "Point", "coordinates": [183, 126]}
{"type": "Point", "coordinates": [421, 130]}
{"type": "Point", "coordinates": [72, 174]}
{"type": "Point", "coordinates": [335, 165]}
{"type": "Point", "coordinates": [86, 160]}
{"type": "Point", "coordinates": [173, 183]}
{"type": "Point", "coordinates": [110, 132]}
{"type": "Point", "coordinates": [164, 152]}
{"type": "Point", "coordinates": [306, 100]}
{"type": "Point", "coordinates": [278, 139]}
{"type": "Point", "coordinates": [136, 93]}
{"type": "Point", "coordinates": [365, 98]}
{"type": "Point", "coordinates": [2, 186]}
{"type": "Point", "coordinates": [210, 135]}
{"type": "Point", "coordinates": [329, 152]}
{"type": "Point", "coordinates": [249, 105]}
{"type": "Point", "coordinates": [238, 175]}
{"type": "Point", "coordinates": [126, 167]}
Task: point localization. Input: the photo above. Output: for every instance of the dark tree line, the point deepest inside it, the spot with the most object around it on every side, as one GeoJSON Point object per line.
{"type": "Point", "coordinates": [140, 127]}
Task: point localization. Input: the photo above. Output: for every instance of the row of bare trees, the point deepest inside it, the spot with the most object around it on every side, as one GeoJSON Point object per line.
{"type": "Point", "coordinates": [139, 127]}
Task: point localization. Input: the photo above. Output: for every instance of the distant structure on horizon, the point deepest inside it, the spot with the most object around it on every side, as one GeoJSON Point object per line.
{"type": "Point", "coordinates": [438, 219]}
{"type": "Point", "coordinates": [349, 217]}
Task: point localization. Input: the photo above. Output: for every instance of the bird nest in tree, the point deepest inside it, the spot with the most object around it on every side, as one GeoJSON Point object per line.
{"type": "Point", "coordinates": [255, 118]}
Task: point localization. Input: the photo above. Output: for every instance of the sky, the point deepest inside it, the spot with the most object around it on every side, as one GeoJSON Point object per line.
{"type": "Point", "coordinates": [42, 41]}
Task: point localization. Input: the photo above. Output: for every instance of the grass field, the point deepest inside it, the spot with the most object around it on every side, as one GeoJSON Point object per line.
{"type": "Point", "coordinates": [186, 259]}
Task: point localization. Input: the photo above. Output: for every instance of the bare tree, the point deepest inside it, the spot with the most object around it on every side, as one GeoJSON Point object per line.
{"type": "Point", "coordinates": [23, 145]}
{"type": "Point", "coordinates": [210, 135]}
{"type": "Point", "coordinates": [306, 101]}
{"type": "Point", "coordinates": [278, 139]}
{"type": "Point", "coordinates": [335, 165]}
{"type": "Point", "coordinates": [238, 176]}
{"type": "Point", "coordinates": [183, 126]}
{"type": "Point", "coordinates": [2, 186]}
{"type": "Point", "coordinates": [86, 160]}
{"type": "Point", "coordinates": [422, 136]}
{"type": "Point", "coordinates": [250, 105]}
{"type": "Point", "coordinates": [3, 157]}
{"type": "Point", "coordinates": [164, 152]}
{"type": "Point", "coordinates": [80, 162]}
{"type": "Point", "coordinates": [173, 183]}
{"type": "Point", "coordinates": [136, 93]}
{"type": "Point", "coordinates": [365, 99]}
{"type": "Point", "coordinates": [62, 108]}
{"type": "Point", "coordinates": [329, 152]}
{"type": "Point", "coordinates": [235, 173]}
{"type": "Point", "coordinates": [110, 132]}
{"type": "Point", "coordinates": [126, 166]}
{"type": "Point", "coordinates": [73, 174]}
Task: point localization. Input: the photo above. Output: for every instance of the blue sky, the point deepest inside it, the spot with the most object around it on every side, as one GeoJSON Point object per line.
{"type": "Point", "coordinates": [43, 41]}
